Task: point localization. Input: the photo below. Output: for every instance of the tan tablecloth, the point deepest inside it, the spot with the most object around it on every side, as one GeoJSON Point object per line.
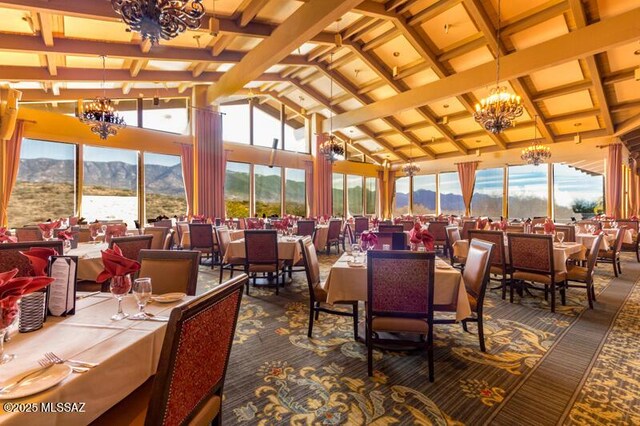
{"type": "Point", "coordinates": [89, 260]}
{"type": "Point", "coordinates": [288, 249]}
{"type": "Point", "coordinates": [128, 353]}
{"type": "Point", "coordinates": [347, 283]}
{"type": "Point", "coordinates": [627, 238]}
{"type": "Point", "coordinates": [234, 235]}
{"type": "Point", "coordinates": [322, 232]}
{"type": "Point", "coordinates": [560, 253]}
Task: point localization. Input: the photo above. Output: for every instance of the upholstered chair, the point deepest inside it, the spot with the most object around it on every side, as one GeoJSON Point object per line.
{"type": "Point", "coordinates": [613, 254]}
{"type": "Point", "coordinates": [584, 275]}
{"type": "Point", "coordinates": [11, 258]}
{"type": "Point", "coordinates": [201, 239]}
{"type": "Point", "coordinates": [131, 246]}
{"type": "Point", "coordinates": [261, 255]}
{"type": "Point", "coordinates": [467, 226]}
{"type": "Point", "coordinates": [158, 233]}
{"type": "Point", "coordinates": [453, 236]}
{"type": "Point", "coordinates": [171, 271]}
{"type": "Point", "coordinates": [361, 225]}
{"type": "Point", "coordinates": [235, 264]}
{"type": "Point", "coordinates": [395, 240]}
{"type": "Point", "coordinates": [333, 235]}
{"type": "Point", "coordinates": [499, 267]}
{"type": "Point", "coordinates": [306, 227]}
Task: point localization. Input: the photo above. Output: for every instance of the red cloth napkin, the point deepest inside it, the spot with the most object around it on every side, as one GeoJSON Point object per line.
{"type": "Point", "coordinates": [65, 235]}
{"type": "Point", "coordinates": [418, 235]}
{"type": "Point", "coordinates": [5, 237]}
{"type": "Point", "coordinates": [48, 226]}
{"type": "Point", "coordinates": [39, 258]}
{"type": "Point", "coordinates": [12, 289]}
{"type": "Point", "coordinates": [369, 237]}
{"type": "Point", "coordinates": [549, 226]}
{"type": "Point", "coordinates": [116, 265]}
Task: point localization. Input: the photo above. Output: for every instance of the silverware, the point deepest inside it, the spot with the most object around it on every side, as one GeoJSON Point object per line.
{"type": "Point", "coordinates": [57, 360]}
{"type": "Point", "coordinates": [84, 296]}
{"type": "Point", "coordinates": [151, 318]}
{"type": "Point", "coordinates": [31, 375]}
{"type": "Point", "coordinates": [45, 361]}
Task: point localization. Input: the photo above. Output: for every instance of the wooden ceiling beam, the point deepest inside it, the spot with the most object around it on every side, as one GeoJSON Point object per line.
{"type": "Point", "coordinates": [561, 90]}
{"type": "Point", "coordinates": [624, 106]}
{"type": "Point", "coordinates": [138, 65]}
{"type": "Point", "coordinates": [432, 11]}
{"type": "Point", "coordinates": [253, 8]}
{"type": "Point", "coordinates": [343, 60]}
{"type": "Point", "coordinates": [618, 76]}
{"type": "Point", "coordinates": [534, 16]}
{"type": "Point", "coordinates": [573, 115]}
{"type": "Point", "coordinates": [464, 46]}
{"type": "Point", "coordinates": [220, 43]}
{"type": "Point", "coordinates": [360, 25]}
{"type": "Point", "coordinates": [381, 39]}
{"type": "Point", "coordinates": [46, 28]}
{"type": "Point", "coordinates": [72, 95]}
{"type": "Point", "coordinates": [199, 69]}
{"type": "Point", "coordinates": [318, 51]}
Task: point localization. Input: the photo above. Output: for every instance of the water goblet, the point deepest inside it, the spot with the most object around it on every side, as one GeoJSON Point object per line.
{"type": "Point", "coordinates": [142, 294]}
{"type": "Point", "coordinates": [560, 237]}
{"type": "Point", "coordinates": [119, 287]}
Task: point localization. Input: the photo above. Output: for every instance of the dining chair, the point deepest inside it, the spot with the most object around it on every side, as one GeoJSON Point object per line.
{"type": "Point", "coordinates": [361, 224]}
{"type": "Point", "coordinates": [84, 235]}
{"type": "Point", "coordinates": [231, 264]}
{"type": "Point", "coordinates": [438, 228]}
{"type": "Point", "coordinates": [158, 233]}
{"type": "Point", "coordinates": [498, 266]}
{"type": "Point", "coordinates": [390, 228]}
{"type": "Point", "coordinates": [467, 226]}
{"type": "Point", "coordinates": [188, 385]}
{"type": "Point", "coordinates": [306, 227]}
{"type": "Point", "coordinates": [168, 240]}
{"type": "Point", "coordinates": [569, 233]}
{"type": "Point", "coordinates": [475, 278]}
{"type": "Point", "coordinates": [10, 256]}
{"type": "Point", "coordinates": [532, 260]}
{"type": "Point", "coordinates": [350, 236]}
{"type": "Point", "coordinates": [400, 300]}
{"type": "Point", "coordinates": [407, 225]}
{"type": "Point", "coordinates": [261, 255]}
{"type": "Point", "coordinates": [131, 246]}
{"type": "Point", "coordinates": [165, 223]}
{"type": "Point", "coordinates": [333, 235]}
{"type": "Point", "coordinates": [115, 230]}
{"type": "Point", "coordinates": [317, 295]}
{"type": "Point", "coordinates": [181, 229]}
{"type": "Point", "coordinates": [632, 247]}
{"type": "Point", "coordinates": [453, 236]}
{"type": "Point", "coordinates": [613, 254]}
{"type": "Point", "coordinates": [395, 240]}
{"type": "Point", "coordinates": [584, 275]}
{"type": "Point", "coordinates": [515, 229]}
{"type": "Point", "coordinates": [201, 239]}
{"type": "Point", "coordinates": [170, 271]}
{"type": "Point", "coordinates": [28, 234]}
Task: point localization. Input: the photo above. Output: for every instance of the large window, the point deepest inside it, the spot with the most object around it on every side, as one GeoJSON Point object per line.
{"type": "Point", "coordinates": [268, 190]}
{"type": "Point", "coordinates": [235, 123]}
{"type": "Point", "coordinates": [236, 189]}
{"type": "Point", "coordinates": [487, 194]}
{"type": "Point", "coordinates": [402, 196]}
{"type": "Point", "coordinates": [576, 194]}
{"type": "Point", "coordinates": [528, 191]}
{"type": "Point", "coordinates": [163, 186]}
{"type": "Point", "coordinates": [371, 195]}
{"type": "Point", "coordinates": [294, 139]}
{"type": "Point", "coordinates": [338, 194]}
{"type": "Point", "coordinates": [354, 195]}
{"type": "Point", "coordinates": [266, 128]}
{"type": "Point", "coordinates": [110, 189]}
{"type": "Point", "coordinates": [451, 201]}
{"type": "Point", "coordinates": [45, 187]}
{"type": "Point", "coordinates": [169, 115]}
{"type": "Point", "coordinates": [295, 192]}
{"type": "Point", "coordinates": [424, 194]}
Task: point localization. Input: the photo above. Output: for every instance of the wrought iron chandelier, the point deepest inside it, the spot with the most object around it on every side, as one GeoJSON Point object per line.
{"type": "Point", "coordinates": [497, 112]}
{"type": "Point", "coordinates": [536, 153]}
{"type": "Point", "coordinates": [156, 19]}
{"type": "Point", "coordinates": [100, 115]}
{"type": "Point", "coordinates": [332, 148]}
{"type": "Point", "coordinates": [410, 168]}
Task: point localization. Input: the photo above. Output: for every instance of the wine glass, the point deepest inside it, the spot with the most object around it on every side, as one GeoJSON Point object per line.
{"type": "Point", "coordinates": [94, 234]}
{"type": "Point", "coordinates": [560, 236]}
{"type": "Point", "coordinates": [142, 293]}
{"type": "Point", "coordinates": [120, 286]}
{"type": "Point", "coordinates": [355, 249]}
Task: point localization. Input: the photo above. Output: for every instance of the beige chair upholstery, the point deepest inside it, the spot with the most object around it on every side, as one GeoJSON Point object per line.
{"type": "Point", "coordinates": [159, 234]}
{"type": "Point", "coordinates": [170, 271]}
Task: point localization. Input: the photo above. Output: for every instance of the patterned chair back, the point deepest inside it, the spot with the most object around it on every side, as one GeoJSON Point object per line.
{"type": "Point", "coordinates": [131, 246]}
{"type": "Point", "coordinates": [312, 265]}
{"type": "Point", "coordinates": [395, 240]}
{"type": "Point", "coordinates": [261, 246]}
{"type": "Point", "coordinates": [531, 253]}
{"type": "Point", "coordinates": [201, 236]}
{"type": "Point", "coordinates": [390, 228]}
{"type": "Point", "coordinates": [515, 229]}
{"type": "Point", "coordinates": [170, 270]}
{"type": "Point", "coordinates": [115, 230]}
{"type": "Point", "coordinates": [165, 223]}
{"type": "Point", "coordinates": [476, 269]}
{"type": "Point", "coordinates": [498, 255]}
{"type": "Point", "coordinates": [438, 230]}
{"type": "Point", "coordinates": [334, 229]}
{"type": "Point", "coordinates": [400, 284]}
{"type": "Point", "coordinates": [306, 227]}
{"type": "Point", "coordinates": [158, 233]}
{"type": "Point", "coordinates": [538, 221]}
{"type": "Point", "coordinates": [617, 245]}
{"type": "Point", "coordinates": [361, 225]}
{"type": "Point", "coordinates": [407, 225]}
{"type": "Point", "coordinates": [181, 228]}
{"type": "Point", "coordinates": [569, 233]}
{"type": "Point", "coordinates": [189, 381]}
{"type": "Point", "coordinates": [10, 256]}
{"type": "Point", "coordinates": [593, 254]}
{"type": "Point", "coordinates": [28, 234]}
{"type": "Point", "coordinates": [467, 226]}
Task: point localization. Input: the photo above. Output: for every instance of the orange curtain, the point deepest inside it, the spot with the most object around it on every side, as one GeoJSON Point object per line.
{"type": "Point", "coordinates": [12, 165]}
{"type": "Point", "coordinates": [633, 188]}
{"type": "Point", "coordinates": [211, 164]}
{"type": "Point", "coordinates": [467, 177]}
{"type": "Point", "coordinates": [614, 181]}
{"type": "Point", "coordinates": [382, 194]}
{"type": "Point", "coordinates": [308, 173]}
{"type": "Point", "coordinates": [391, 193]}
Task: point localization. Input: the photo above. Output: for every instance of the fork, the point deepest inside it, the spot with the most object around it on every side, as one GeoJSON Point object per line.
{"type": "Point", "coordinates": [45, 365]}
{"type": "Point", "coordinates": [48, 363]}
{"type": "Point", "coordinates": [57, 360]}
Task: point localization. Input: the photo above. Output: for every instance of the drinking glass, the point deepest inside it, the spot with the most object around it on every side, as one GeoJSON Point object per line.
{"type": "Point", "coordinates": [8, 317]}
{"type": "Point", "coordinates": [142, 293]}
{"type": "Point", "coordinates": [120, 286]}
{"type": "Point", "coordinates": [560, 236]}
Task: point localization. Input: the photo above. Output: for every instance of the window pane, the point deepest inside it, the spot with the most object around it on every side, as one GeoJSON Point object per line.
{"type": "Point", "coordinates": [163, 186]}
{"type": "Point", "coordinates": [487, 194]}
{"type": "Point", "coordinates": [294, 134]}
{"type": "Point", "coordinates": [576, 193]}
{"type": "Point", "coordinates": [45, 187]}
{"type": "Point", "coordinates": [170, 115]}
{"type": "Point", "coordinates": [354, 194]}
{"type": "Point", "coordinates": [338, 194]}
{"type": "Point", "coordinates": [402, 196]}
{"type": "Point", "coordinates": [424, 194]}
{"type": "Point", "coordinates": [451, 201]}
{"type": "Point", "coordinates": [268, 187]}
{"type": "Point", "coordinates": [110, 189]}
{"type": "Point", "coordinates": [236, 189]}
{"type": "Point", "coordinates": [235, 123]}
{"type": "Point", "coordinates": [371, 195]}
{"type": "Point", "coordinates": [266, 128]}
{"type": "Point", "coordinates": [527, 191]}
{"type": "Point", "coordinates": [295, 192]}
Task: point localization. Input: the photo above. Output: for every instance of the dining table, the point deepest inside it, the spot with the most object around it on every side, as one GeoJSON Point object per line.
{"type": "Point", "coordinates": [89, 260]}
{"type": "Point", "coordinates": [349, 283]}
{"type": "Point", "coordinates": [288, 249]}
{"type": "Point", "coordinates": [234, 234]}
{"type": "Point", "coordinates": [126, 351]}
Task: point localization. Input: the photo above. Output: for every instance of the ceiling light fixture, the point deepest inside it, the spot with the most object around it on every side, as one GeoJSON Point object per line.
{"type": "Point", "coordinates": [410, 169]}
{"type": "Point", "coordinates": [497, 112]}
{"type": "Point", "coordinates": [536, 153]}
{"type": "Point", "coordinates": [101, 115]}
{"type": "Point", "coordinates": [160, 19]}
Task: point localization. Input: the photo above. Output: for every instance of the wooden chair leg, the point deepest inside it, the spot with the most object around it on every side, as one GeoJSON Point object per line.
{"type": "Point", "coordinates": [369, 354]}
{"type": "Point", "coordinates": [430, 358]}
{"type": "Point", "coordinates": [481, 333]}
{"type": "Point", "coordinates": [593, 293]}
{"type": "Point", "coordinates": [317, 312]}
{"type": "Point", "coordinates": [553, 297]}
{"type": "Point", "coordinates": [464, 326]}
{"type": "Point", "coordinates": [563, 294]}
{"type": "Point", "coordinates": [310, 332]}
{"type": "Point", "coordinates": [504, 287]}
{"type": "Point", "coordinates": [221, 270]}
{"type": "Point", "coordinates": [511, 291]}
{"type": "Point", "coordinates": [355, 320]}
{"type": "Point", "coordinates": [590, 294]}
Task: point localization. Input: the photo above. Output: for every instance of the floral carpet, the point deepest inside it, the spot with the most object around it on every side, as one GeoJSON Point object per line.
{"type": "Point", "coordinates": [279, 376]}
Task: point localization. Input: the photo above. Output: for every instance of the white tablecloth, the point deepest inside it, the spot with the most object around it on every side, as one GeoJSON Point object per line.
{"type": "Point", "coordinates": [627, 238]}
{"type": "Point", "coordinates": [587, 240]}
{"type": "Point", "coordinates": [89, 260]}
{"type": "Point", "coordinates": [346, 283]}
{"type": "Point", "coordinates": [288, 249]}
{"type": "Point", "coordinates": [127, 351]}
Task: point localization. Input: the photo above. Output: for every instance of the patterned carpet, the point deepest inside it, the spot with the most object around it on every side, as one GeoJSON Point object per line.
{"type": "Point", "coordinates": [279, 376]}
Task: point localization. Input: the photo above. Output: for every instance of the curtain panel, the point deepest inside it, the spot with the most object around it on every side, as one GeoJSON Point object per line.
{"type": "Point", "coordinates": [211, 164]}
{"type": "Point", "coordinates": [323, 194]}
{"type": "Point", "coordinates": [467, 177]}
{"type": "Point", "coordinates": [12, 166]}
{"type": "Point", "coordinates": [187, 175]}
{"type": "Point", "coordinates": [614, 181]}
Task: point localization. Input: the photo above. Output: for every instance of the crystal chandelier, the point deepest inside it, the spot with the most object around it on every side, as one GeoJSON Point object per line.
{"type": "Point", "coordinates": [536, 153]}
{"type": "Point", "coordinates": [100, 115]}
{"type": "Point", "coordinates": [332, 149]}
{"type": "Point", "coordinates": [156, 19]}
{"type": "Point", "coordinates": [497, 112]}
{"type": "Point", "coordinates": [410, 168]}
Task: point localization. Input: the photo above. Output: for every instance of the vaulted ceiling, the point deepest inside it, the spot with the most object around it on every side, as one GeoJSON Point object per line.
{"type": "Point", "coordinates": [440, 52]}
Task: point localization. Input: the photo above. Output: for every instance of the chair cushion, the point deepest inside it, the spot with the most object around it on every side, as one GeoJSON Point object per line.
{"type": "Point", "coordinates": [400, 325]}
{"type": "Point", "coordinates": [577, 273]}
{"type": "Point", "coordinates": [236, 261]}
{"type": "Point", "coordinates": [207, 413]}
{"type": "Point", "coordinates": [539, 278]}
{"type": "Point", "coordinates": [266, 268]}
{"type": "Point", "coordinates": [609, 254]}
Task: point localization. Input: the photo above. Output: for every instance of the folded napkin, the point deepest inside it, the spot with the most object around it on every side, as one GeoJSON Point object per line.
{"type": "Point", "coordinates": [12, 289]}
{"type": "Point", "coordinates": [39, 258]}
{"type": "Point", "coordinates": [5, 237]}
{"type": "Point", "coordinates": [417, 235]}
{"type": "Point", "coordinates": [369, 237]}
{"type": "Point", "coordinates": [65, 235]}
{"type": "Point", "coordinates": [116, 265]}
{"type": "Point", "coordinates": [49, 226]}
{"type": "Point", "coordinates": [549, 226]}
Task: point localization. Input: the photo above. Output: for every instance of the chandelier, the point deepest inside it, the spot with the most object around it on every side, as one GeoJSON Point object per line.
{"type": "Point", "coordinates": [156, 19]}
{"type": "Point", "coordinates": [497, 112]}
{"type": "Point", "coordinates": [410, 168]}
{"type": "Point", "coordinates": [332, 149]}
{"type": "Point", "coordinates": [100, 115]}
{"type": "Point", "coordinates": [536, 153]}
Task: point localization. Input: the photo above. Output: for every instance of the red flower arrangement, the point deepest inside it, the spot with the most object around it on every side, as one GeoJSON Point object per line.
{"type": "Point", "coordinates": [549, 226]}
